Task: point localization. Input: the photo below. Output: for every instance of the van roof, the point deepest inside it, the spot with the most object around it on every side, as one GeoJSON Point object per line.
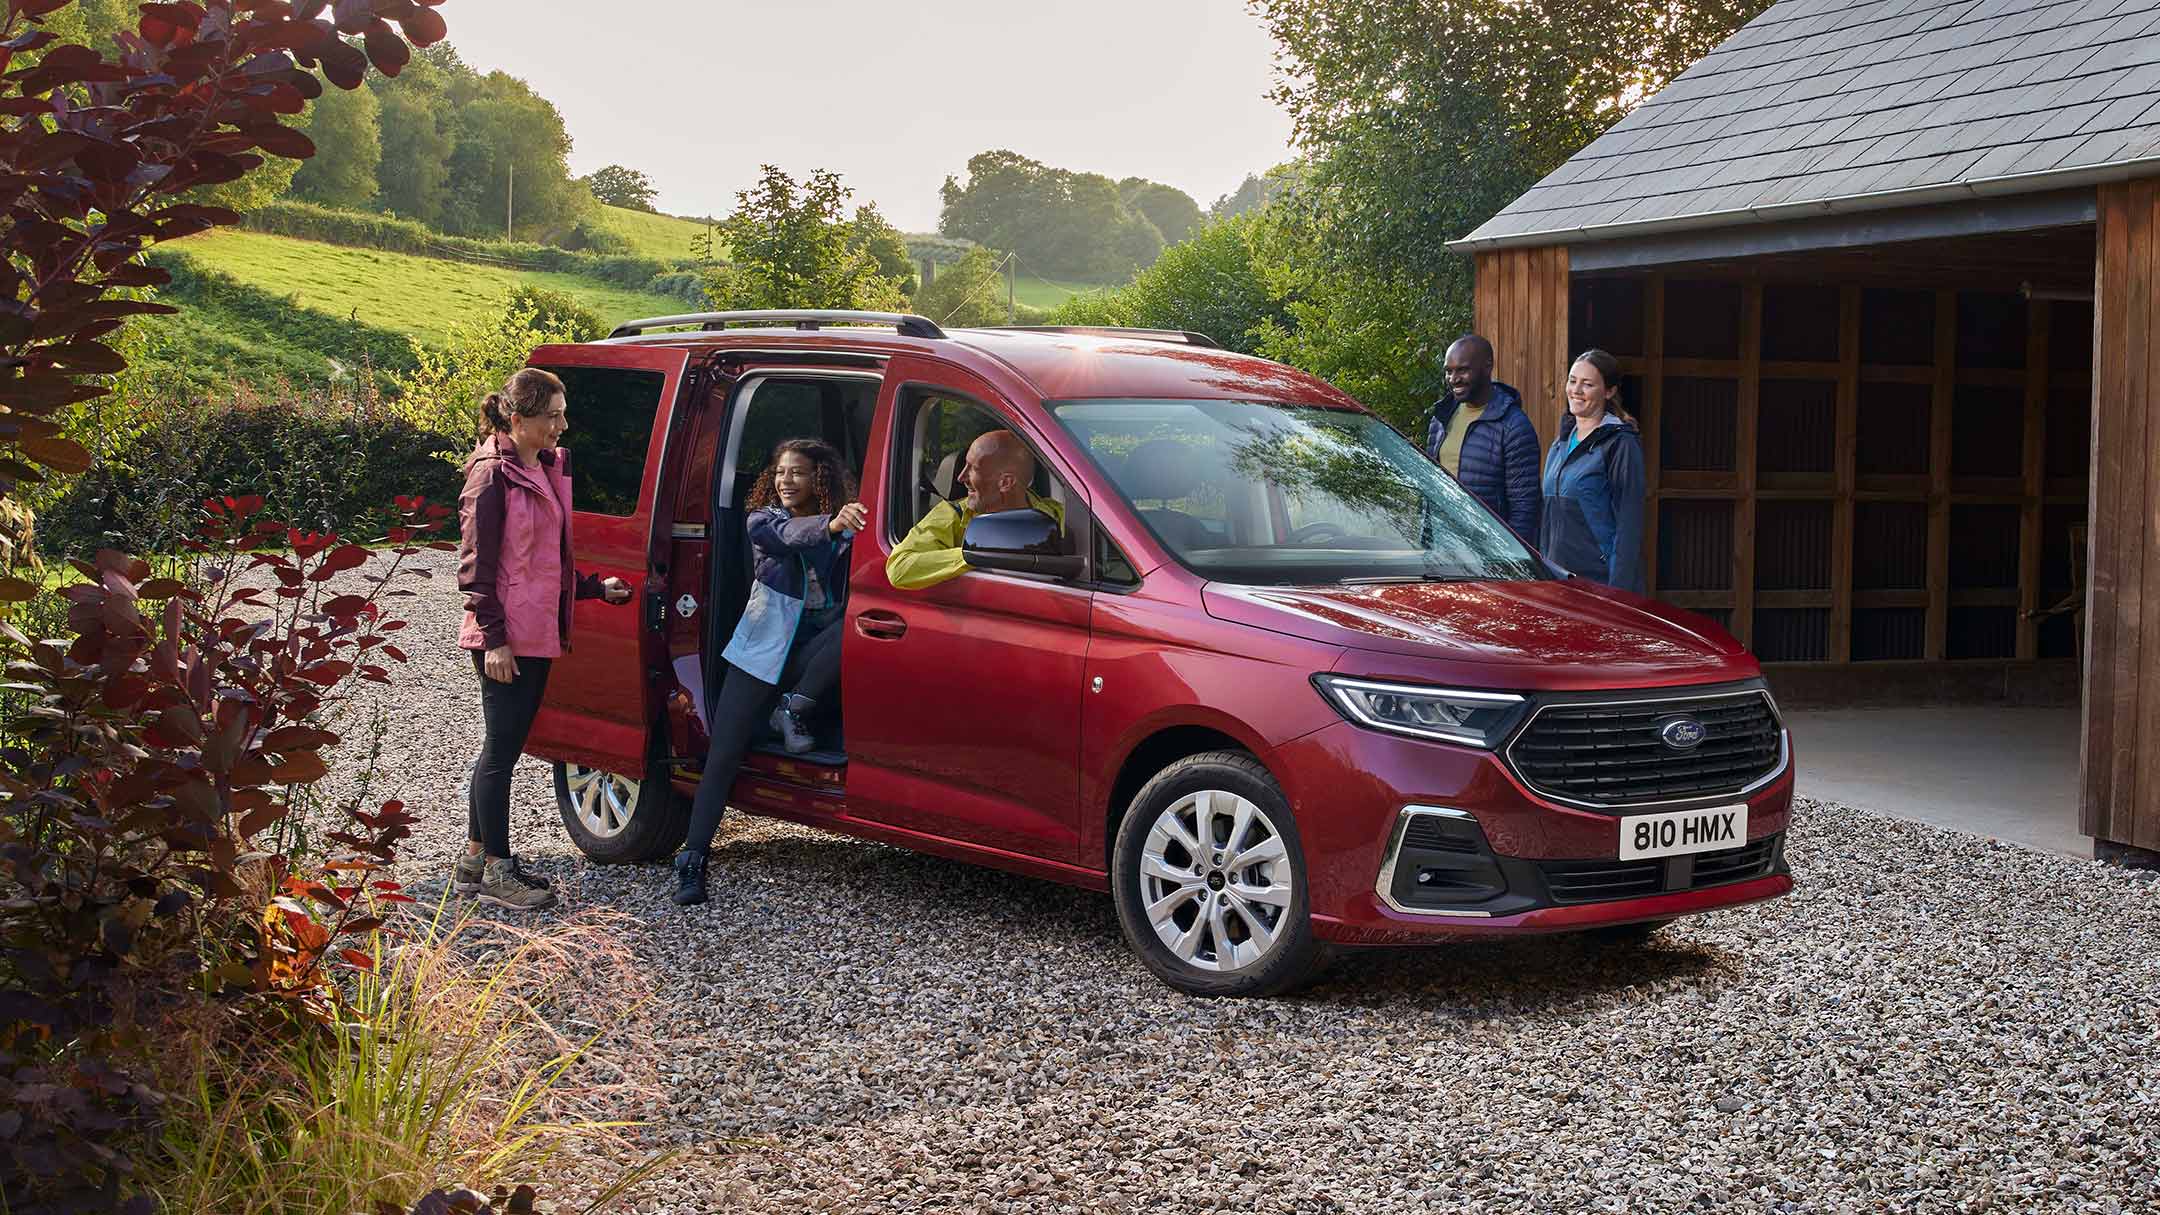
{"type": "Point", "coordinates": [1057, 364]}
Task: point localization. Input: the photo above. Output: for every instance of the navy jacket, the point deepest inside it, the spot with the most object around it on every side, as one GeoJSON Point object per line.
{"type": "Point", "coordinates": [786, 544]}
{"type": "Point", "coordinates": [1594, 505]}
{"type": "Point", "coordinates": [1499, 457]}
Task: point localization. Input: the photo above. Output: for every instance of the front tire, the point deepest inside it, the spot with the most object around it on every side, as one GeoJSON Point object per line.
{"type": "Point", "coordinates": [1209, 879]}
{"type": "Point", "coordinates": [617, 820]}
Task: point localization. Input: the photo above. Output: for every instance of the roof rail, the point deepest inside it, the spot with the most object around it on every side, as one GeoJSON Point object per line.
{"type": "Point", "coordinates": [801, 318]}
{"type": "Point", "coordinates": [1146, 335]}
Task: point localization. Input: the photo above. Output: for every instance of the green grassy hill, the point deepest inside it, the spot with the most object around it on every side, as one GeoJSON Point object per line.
{"type": "Point", "coordinates": [417, 296]}
{"type": "Point", "coordinates": [651, 235]}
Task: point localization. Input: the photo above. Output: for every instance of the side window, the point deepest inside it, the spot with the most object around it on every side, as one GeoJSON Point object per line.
{"type": "Point", "coordinates": [837, 411]}
{"type": "Point", "coordinates": [1111, 565]}
{"type": "Point", "coordinates": [611, 430]}
{"type": "Point", "coordinates": [931, 449]}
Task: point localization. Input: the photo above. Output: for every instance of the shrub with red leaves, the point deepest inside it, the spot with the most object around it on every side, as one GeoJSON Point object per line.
{"type": "Point", "coordinates": [179, 718]}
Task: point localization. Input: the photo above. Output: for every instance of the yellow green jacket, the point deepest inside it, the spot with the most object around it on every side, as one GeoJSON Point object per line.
{"type": "Point", "coordinates": [931, 552]}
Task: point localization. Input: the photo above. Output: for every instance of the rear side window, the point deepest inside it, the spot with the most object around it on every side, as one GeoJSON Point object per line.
{"type": "Point", "coordinates": [611, 426]}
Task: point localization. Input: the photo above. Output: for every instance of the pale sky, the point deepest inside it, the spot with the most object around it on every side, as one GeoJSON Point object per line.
{"type": "Point", "coordinates": [893, 96]}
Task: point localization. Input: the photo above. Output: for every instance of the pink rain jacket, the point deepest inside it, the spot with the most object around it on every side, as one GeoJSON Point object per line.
{"type": "Point", "coordinates": [514, 558]}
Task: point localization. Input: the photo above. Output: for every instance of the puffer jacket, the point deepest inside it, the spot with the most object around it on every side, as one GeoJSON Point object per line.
{"type": "Point", "coordinates": [1499, 457]}
{"type": "Point", "coordinates": [1594, 505]}
{"type": "Point", "coordinates": [787, 548]}
{"type": "Point", "coordinates": [514, 557]}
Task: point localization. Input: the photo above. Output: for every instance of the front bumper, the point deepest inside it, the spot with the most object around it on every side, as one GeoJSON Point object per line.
{"type": "Point", "coordinates": [1507, 860]}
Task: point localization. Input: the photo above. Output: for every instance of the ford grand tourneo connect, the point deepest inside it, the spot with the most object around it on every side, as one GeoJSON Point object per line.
{"type": "Point", "coordinates": [1278, 683]}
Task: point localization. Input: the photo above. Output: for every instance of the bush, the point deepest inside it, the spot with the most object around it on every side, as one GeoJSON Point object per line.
{"type": "Point", "coordinates": [326, 461]}
{"type": "Point", "coordinates": [1209, 284]}
{"type": "Point", "coordinates": [442, 394]}
{"type": "Point", "coordinates": [685, 285]}
{"type": "Point", "coordinates": [364, 230]}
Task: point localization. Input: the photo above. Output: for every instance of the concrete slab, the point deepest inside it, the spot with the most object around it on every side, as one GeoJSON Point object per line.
{"type": "Point", "coordinates": [2008, 773]}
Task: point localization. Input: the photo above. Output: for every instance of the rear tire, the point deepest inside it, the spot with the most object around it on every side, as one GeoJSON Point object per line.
{"type": "Point", "coordinates": [1209, 879]}
{"type": "Point", "coordinates": [620, 820]}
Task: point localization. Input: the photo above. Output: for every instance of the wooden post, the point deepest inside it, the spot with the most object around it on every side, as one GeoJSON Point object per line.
{"type": "Point", "coordinates": [1939, 420]}
{"type": "Point", "coordinates": [1844, 454]}
{"type": "Point", "coordinates": [1749, 423]}
{"type": "Point", "coordinates": [2120, 765]}
{"type": "Point", "coordinates": [2032, 514]}
{"type": "Point", "coordinates": [1652, 419]}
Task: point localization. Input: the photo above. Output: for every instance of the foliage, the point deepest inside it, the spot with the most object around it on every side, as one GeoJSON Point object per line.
{"type": "Point", "coordinates": [326, 460]}
{"type": "Point", "coordinates": [91, 182]}
{"type": "Point", "coordinates": [403, 1098]}
{"type": "Point", "coordinates": [1425, 117]}
{"type": "Point", "coordinates": [968, 293]}
{"type": "Point", "coordinates": [1210, 284]}
{"type": "Point", "coordinates": [618, 186]}
{"type": "Point", "coordinates": [943, 250]}
{"type": "Point", "coordinates": [442, 394]}
{"type": "Point", "coordinates": [467, 149]}
{"type": "Point", "coordinates": [161, 742]}
{"type": "Point", "coordinates": [149, 749]}
{"type": "Point", "coordinates": [554, 312]}
{"type": "Point", "coordinates": [792, 248]}
{"type": "Point", "coordinates": [1060, 223]}
{"type": "Point", "coordinates": [1252, 194]}
{"type": "Point", "coordinates": [1171, 210]}
{"type": "Point", "coordinates": [346, 128]}
{"type": "Point", "coordinates": [885, 245]}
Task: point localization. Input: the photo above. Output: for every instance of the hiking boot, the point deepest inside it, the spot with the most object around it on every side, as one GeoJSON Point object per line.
{"type": "Point", "coordinates": [689, 878]}
{"type": "Point", "coordinates": [505, 885]}
{"type": "Point", "coordinates": [472, 870]}
{"type": "Point", "coordinates": [788, 720]}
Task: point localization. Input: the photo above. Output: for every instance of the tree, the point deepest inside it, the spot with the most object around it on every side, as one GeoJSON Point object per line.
{"type": "Point", "coordinates": [414, 172]}
{"type": "Point", "coordinates": [1171, 210]}
{"type": "Point", "coordinates": [510, 156]}
{"type": "Point", "coordinates": [792, 248]}
{"type": "Point", "coordinates": [885, 243]}
{"type": "Point", "coordinates": [347, 130]}
{"type": "Point", "coordinates": [967, 293]}
{"type": "Point", "coordinates": [618, 186]}
{"type": "Point", "coordinates": [1209, 283]}
{"type": "Point", "coordinates": [1424, 117]}
{"type": "Point", "coordinates": [1251, 194]}
{"type": "Point", "coordinates": [1061, 223]}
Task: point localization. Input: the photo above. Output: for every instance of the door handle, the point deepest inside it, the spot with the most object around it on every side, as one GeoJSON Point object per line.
{"type": "Point", "coordinates": [880, 626]}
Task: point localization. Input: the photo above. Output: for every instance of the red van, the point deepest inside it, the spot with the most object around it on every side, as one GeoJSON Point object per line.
{"type": "Point", "coordinates": [1278, 683]}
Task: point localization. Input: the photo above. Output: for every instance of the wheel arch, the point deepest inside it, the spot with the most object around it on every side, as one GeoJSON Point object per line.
{"type": "Point", "coordinates": [1151, 754]}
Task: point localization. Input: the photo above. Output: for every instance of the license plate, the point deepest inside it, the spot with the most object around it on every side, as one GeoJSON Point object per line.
{"type": "Point", "coordinates": [1683, 831]}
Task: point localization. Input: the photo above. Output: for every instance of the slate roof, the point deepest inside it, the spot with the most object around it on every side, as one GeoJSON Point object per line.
{"type": "Point", "coordinates": [1823, 105]}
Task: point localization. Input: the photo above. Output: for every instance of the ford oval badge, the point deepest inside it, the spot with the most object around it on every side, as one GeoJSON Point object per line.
{"type": "Point", "coordinates": [1683, 733]}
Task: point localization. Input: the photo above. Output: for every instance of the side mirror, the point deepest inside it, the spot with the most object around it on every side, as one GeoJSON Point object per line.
{"type": "Point", "coordinates": [1021, 541]}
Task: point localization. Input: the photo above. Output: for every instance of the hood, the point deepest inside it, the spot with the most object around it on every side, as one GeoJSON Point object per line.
{"type": "Point", "coordinates": [1543, 634]}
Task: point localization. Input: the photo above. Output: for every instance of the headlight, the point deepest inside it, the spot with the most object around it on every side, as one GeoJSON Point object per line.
{"type": "Point", "coordinates": [1476, 719]}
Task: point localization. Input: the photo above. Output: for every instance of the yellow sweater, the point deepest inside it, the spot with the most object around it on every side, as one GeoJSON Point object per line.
{"type": "Point", "coordinates": [930, 553]}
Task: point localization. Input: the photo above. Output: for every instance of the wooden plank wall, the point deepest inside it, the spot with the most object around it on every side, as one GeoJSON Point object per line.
{"type": "Point", "coordinates": [2120, 765]}
{"type": "Point", "coordinates": [1522, 308]}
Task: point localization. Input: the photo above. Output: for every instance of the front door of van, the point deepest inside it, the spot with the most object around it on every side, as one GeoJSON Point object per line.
{"type": "Point", "coordinates": [963, 698]}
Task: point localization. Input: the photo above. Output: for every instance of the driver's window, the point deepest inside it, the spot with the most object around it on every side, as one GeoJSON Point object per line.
{"type": "Point", "coordinates": [937, 431]}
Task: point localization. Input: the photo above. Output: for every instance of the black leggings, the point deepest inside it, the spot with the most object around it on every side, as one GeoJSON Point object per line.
{"type": "Point", "coordinates": [509, 709]}
{"type": "Point", "coordinates": [745, 701]}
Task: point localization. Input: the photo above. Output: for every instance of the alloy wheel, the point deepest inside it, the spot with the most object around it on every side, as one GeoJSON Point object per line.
{"type": "Point", "coordinates": [604, 800]}
{"type": "Point", "coordinates": [1216, 881]}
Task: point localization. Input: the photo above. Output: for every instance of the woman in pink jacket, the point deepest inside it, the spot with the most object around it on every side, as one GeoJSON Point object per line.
{"type": "Point", "coordinates": [514, 570]}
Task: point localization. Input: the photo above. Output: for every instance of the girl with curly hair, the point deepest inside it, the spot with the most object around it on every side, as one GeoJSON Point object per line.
{"type": "Point", "coordinates": [802, 522]}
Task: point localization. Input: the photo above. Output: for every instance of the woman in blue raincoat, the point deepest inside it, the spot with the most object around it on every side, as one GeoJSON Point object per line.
{"type": "Point", "coordinates": [802, 521]}
{"type": "Point", "coordinates": [1594, 481]}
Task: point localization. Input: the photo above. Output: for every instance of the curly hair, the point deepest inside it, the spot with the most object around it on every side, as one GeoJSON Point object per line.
{"type": "Point", "coordinates": [829, 483]}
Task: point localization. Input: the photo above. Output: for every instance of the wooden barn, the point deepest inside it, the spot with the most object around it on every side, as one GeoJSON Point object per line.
{"type": "Point", "coordinates": [1884, 276]}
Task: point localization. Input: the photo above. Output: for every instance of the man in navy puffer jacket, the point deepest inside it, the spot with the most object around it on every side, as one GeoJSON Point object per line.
{"type": "Point", "coordinates": [1480, 433]}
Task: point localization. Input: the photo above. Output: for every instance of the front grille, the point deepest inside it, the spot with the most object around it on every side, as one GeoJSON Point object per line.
{"type": "Point", "coordinates": [1611, 754]}
{"type": "Point", "coordinates": [1602, 881]}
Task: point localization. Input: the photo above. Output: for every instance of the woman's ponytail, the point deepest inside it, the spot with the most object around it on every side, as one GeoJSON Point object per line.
{"type": "Point", "coordinates": [493, 413]}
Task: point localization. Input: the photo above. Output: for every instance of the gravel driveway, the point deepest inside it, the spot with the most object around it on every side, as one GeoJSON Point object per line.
{"type": "Point", "coordinates": [1932, 1022]}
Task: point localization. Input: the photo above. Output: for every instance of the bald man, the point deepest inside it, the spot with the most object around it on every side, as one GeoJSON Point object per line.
{"type": "Point", "coordinates": [1480, 434]}
{"type": "Point", "coordinates": [998, 470]}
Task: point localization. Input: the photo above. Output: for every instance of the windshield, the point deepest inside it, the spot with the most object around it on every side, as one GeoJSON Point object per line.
{"type": "Point", "coordinates": [1265, 494]}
